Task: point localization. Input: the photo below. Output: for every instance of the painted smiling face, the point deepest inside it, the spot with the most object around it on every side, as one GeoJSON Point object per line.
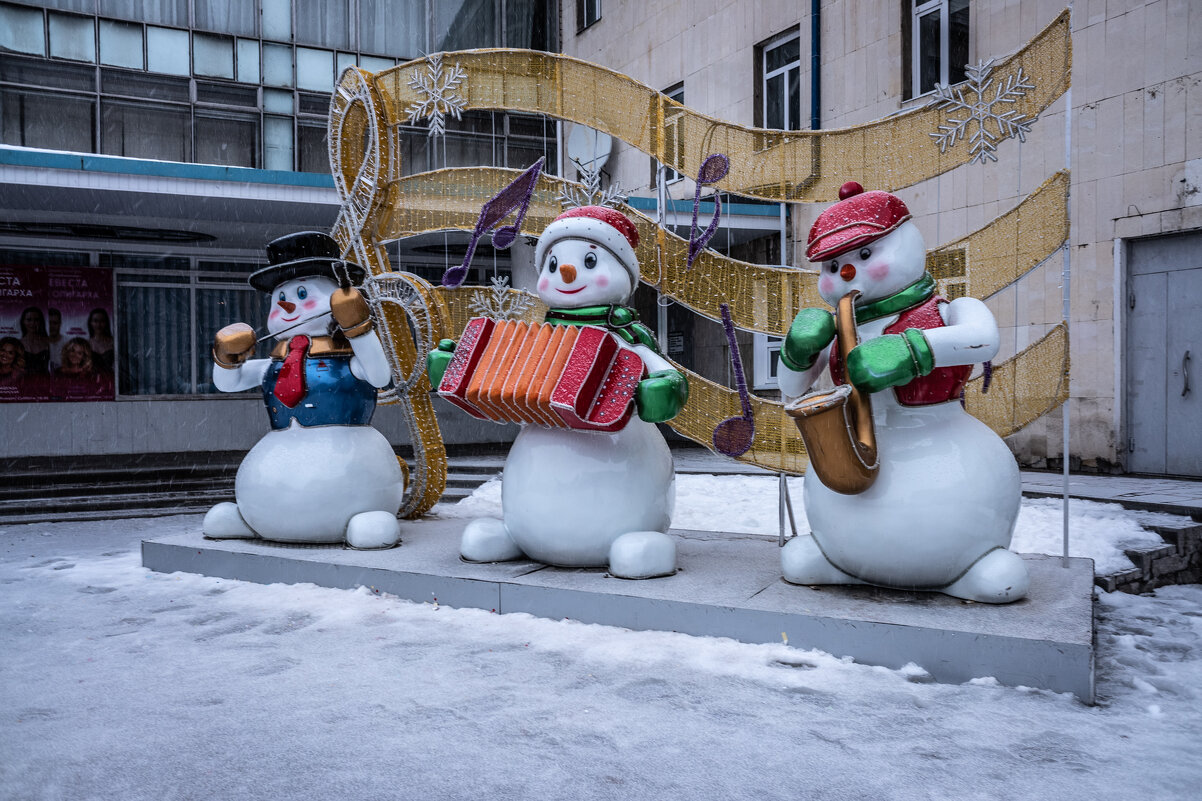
{"type": "Point", "coordinates": [577, 273]}
{"type": "Point", "coordinates": [878, 269]}
{"type": "Point", "coordinates": [301, 299]}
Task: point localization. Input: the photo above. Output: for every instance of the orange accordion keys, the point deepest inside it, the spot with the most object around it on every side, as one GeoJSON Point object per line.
{"type": "Point", "coordinates": [558, 376]}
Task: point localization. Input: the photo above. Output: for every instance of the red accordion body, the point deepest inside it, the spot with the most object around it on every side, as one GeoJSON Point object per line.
{"type": "Point", "coordinates": [558, 376]}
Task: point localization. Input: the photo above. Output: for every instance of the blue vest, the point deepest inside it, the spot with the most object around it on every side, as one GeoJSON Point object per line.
{"type": "Point", "coordinates": [333, 395]}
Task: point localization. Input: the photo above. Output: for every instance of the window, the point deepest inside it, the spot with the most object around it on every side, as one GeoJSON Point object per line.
{"type": "Point", "coordinates": [47, 120]}
{"type": "Point", "coordinates": [780, 91]}
{"type": "Point", "coordinates": [670, 175]}
{"type": "Point", "coordinates": [937, 31]}
{"type": "Point", "coordinates": [766, 361]}
{"type": "Point", "coordinates": [587, 12]}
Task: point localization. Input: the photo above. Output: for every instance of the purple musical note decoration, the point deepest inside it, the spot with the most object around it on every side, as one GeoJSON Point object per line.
{"type": "Point", "coordinates": [713, 170]}
{"type": "Point", "coordinates": [734, 435]}
{"type": "Point", "coordinates": [516, 195]}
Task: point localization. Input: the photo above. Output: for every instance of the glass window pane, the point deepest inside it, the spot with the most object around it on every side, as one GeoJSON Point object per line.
{"type": "Point", "coordinates": [155, 343]}
{"type": "Point", "coordinates": [277, 143]}
{"type": "Point", "coordinates": [51, 121]}
{"type": "Point", "coordinates": [167, 51]}
{"type": "Point", "coordinates": [144, 131]}
{"type": "Point", "coordinates": [56, 74]}
{"type": "Point", "coordinates": [74, 38]}
{"type": "Point", "coordinates": [277, 101]}
{"type": "Point", "coordinates": [248, 61]}
{"type": "Point", "coordinates": [957, 40]}
{"type": "Point", "coordinates": [464, 24]}
{"type": "Point", "coordinates": [277, 65]}
{"type": "Point", "coordinates": [217, 308]}
{"type": "Point", "coordinates": [314, 69]}
{"type": "Point", "coordinates": [928, 52]}
{"type": "Point", "coordinates": [213, 55]}
{"type": "Point", "coordinates": [158, 12]}
{"type": "Point", "coordinates": [783, 54]}
{"type": "Point", "coordinates": [314, 153]}
{"type": "Point", "coordinates": [21, 30]}
{"type": "Point", "coordinates": [344, 60]}
{"type": "Point", "coordinates": [774, 102]}
{"type": "Point", "coordinates": [530, 24]}
{"type": "Point", "coordinates": [225, 16]}
{"type": "Point", "coordinates": [373, 64]}
{"type": "Point", "coordinates": [277, 20]}
{"type": "Point", "coordinates": [396, 27]}
{"type": "Point", "coordinates": [227, 139]}
{"type": "Point", "coordinates": [325, 23]}
{"type": "Point", "coordinates": [794, 76]}
{"type": "Point", "coordinates": [121, 44]}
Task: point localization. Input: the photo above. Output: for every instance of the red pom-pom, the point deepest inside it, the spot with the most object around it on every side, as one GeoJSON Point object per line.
{"type": "Point", "coordinates": [850, 189]}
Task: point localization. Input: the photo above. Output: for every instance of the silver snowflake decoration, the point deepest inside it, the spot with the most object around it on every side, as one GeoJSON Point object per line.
{"type": "Point", "coordinates": [592, 193]}
{"type": "Point", "coordinates": [436, 88]}
{"type": "Point", "coordinates": [982, 122]}
{"type": "Point", "coordinates": [500, 303]}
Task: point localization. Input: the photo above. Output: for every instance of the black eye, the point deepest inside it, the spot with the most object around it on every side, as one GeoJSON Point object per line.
{"type": "Point", "coordinates": [302, 293]}
{"type": "Point", "coordinates": [281, 296]}
{"type": "Point", "coordinates": [553, 264]}
{"type": "Point", "coordinates": [834, 267]}
{"type": "Point", "coordinates": [590, 260]}
{"type": "Point", "coordinates": [865, 253]}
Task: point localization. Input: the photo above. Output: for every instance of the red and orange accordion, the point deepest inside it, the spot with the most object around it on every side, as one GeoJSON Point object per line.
{"type": "Point", "coordinates": [559, 376]}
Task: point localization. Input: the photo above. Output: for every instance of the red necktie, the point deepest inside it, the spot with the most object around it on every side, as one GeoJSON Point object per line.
{"type": "Point", "coordinates": [290, 383]}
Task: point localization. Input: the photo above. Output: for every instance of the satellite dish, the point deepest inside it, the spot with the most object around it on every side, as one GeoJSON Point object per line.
{"type": "Point", "coordinates": [589, 147]}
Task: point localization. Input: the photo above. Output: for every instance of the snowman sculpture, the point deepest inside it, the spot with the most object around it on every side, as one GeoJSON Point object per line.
{"type": "Point", "coordinates": [941, 511]}
{"type": "Point", "coordinates": [322, 474]}
{"type": "Point", "coordinates": [577, 498]}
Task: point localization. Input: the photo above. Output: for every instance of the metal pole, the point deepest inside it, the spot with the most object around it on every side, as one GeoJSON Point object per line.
{"type": "Point", "coordinates": [661, 208]}
{"type": "Point", "coordinates": [1065, 280]}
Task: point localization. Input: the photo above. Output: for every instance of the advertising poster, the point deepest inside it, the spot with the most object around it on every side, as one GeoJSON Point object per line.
{"type": "Point", "coordinates": [56, 334]}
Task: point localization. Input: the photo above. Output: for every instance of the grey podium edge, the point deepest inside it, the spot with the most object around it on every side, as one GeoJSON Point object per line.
{"type": "Point", "coordinates": [950, 656]}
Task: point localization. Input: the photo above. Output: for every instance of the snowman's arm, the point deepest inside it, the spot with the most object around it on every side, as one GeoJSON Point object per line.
{"type": "Point", "coordinates": [654, 362]}
{"type": "Point", "coordinates": [969, 335]}
{"type": "Point", "coordinates": [794, 383]}
{"type": "Point", "coordinates": [247, 375]}
{"type": "Point", "coordinates": [369, 362]}
{"type": "Point", "coordinates": [663, 393]}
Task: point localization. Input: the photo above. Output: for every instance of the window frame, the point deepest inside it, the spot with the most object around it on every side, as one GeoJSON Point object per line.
{"type": "Point", "coordinates": [917, 10]}
{"type": "Point", "coordinates": [588, 13]}
{"type": "Point", "coordinates": [764, 75]}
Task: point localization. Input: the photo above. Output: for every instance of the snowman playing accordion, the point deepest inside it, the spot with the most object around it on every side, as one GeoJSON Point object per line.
{"type": "Point", "coordinates": [589, 480]}
{"type": "Point", "coordinates": [322, 474]}
{"type": "Point", "coordinates": [941, 511]}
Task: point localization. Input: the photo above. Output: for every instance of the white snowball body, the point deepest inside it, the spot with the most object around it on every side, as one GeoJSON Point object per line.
{"type": "Point", "coordinates": [567, 495]}
{"type": "Point", "coordinates": [305, 484]}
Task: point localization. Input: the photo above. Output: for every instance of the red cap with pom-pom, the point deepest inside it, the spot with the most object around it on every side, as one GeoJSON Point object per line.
{"type": "Point", "coordinates": [857, 219]}
{"type": "Point", "coordinates": [607, 227]}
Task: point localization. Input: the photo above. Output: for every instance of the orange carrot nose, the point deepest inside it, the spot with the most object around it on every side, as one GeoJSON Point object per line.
{"type": "Point", "coordinates": [568, 272]}
{"type": "Point", "coordinates": [848, 272]}
{"type": "Point", "coordinates": [287, 306]}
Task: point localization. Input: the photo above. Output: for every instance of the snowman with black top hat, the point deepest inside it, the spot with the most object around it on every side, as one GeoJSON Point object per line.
{"type": "Point", "coordinates": [941, 511]}
{"type": "Point", "coordinates": [322, 474]}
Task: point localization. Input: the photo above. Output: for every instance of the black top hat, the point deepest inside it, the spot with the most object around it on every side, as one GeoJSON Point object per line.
{"type": "Point", "coordinates": [302, 254]}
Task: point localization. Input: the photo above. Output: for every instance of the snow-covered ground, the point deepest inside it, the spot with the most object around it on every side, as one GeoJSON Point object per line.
{"type": "Point", "coordinates": [119, 683]}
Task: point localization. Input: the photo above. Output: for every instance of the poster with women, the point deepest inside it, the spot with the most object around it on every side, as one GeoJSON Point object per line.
{"type": "Point", "coordinates": [56, 334]}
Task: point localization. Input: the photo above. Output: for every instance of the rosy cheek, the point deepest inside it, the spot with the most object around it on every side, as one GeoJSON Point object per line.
{"type": "Point", "coordinates": [602, 281]}
{"type": "Point", "coordinates": [826, 285]}
{"type": "Point", "coordinates": [309, 304]}
{"type": "Point", "coordinates": [543, 283]}
{"type": "Point", "coordinates": [274, 313]}
{"type": "Point", "coordinates": [878, 272]}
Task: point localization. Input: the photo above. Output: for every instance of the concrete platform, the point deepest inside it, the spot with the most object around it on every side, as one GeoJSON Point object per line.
{"type": "Point", "coordinates": [729, 585]}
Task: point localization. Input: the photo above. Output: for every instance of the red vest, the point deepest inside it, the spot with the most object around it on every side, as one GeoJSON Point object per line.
{"type": "Point", "coordinates": [942, 384]}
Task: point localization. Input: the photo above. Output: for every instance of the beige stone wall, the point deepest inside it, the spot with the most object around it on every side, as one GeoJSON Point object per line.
{"type": "Point", "coordinates": [1136, 145]}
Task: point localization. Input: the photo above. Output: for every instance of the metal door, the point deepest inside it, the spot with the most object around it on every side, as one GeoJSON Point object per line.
{"type": "Point", "coordinates": [1164, 355]}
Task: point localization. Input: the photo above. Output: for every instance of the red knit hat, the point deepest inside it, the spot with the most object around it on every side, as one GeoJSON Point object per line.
{"type": "Point", "coordinates": [857, 219]}
{"type": "Point", "coordinates": [607, 227]}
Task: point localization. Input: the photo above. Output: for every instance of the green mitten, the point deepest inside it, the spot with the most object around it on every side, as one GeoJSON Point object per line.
{"type": "Point", "coordinates": [890, 361]}
{"type": "Point", "coordinates": [437, 361]}
{"type": "Point", "coordinates": [812, 330]}
{"type": "Point", "coordinates": [661, 395]}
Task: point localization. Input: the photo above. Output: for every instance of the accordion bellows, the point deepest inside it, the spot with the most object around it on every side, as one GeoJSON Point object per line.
{"type": "Point", "coordinates": [558, 376]}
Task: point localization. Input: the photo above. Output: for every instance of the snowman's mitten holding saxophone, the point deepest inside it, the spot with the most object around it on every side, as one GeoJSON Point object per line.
{"type": "Point", "coordinates": [892, 360]}
{"type": "Point", "coordinates": [233, 345]}
{"type": "Point", "coordinates": [437, 361]}
{"type": "Point", "coordinates": [812, 330]}
{"type": "Point", "coordinates": [351, 312]}
{"type": "Point", "coordinates": [661, 395]}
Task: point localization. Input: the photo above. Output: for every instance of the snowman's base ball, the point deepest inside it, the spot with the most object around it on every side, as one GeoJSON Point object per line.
{"type": "Point", "coordinates": [305, 484]}
{"type": "Point", "coordinates": [567, 495]}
